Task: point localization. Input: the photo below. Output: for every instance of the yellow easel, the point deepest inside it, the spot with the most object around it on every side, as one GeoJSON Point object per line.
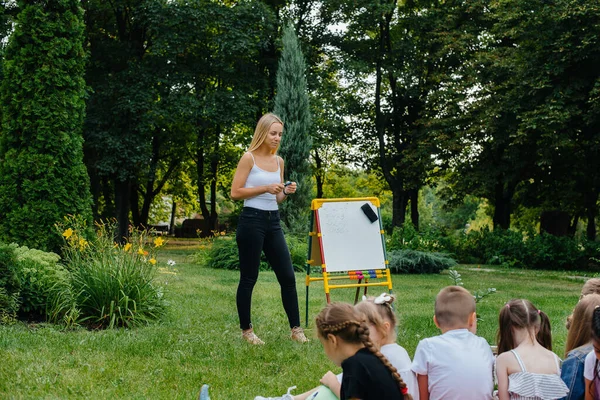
{"type": "Point", "coordinates": [343, 235]}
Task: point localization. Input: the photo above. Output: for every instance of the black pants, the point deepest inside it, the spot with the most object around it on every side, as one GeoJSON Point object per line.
{"type": "Point", "coordinates": [259, 231]}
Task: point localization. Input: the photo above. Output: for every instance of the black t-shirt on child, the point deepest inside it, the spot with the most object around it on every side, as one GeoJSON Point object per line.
{"type": "Point", "coordinates": [367, 378]}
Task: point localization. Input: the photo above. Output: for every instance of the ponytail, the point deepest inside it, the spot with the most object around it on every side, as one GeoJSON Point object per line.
{"type": "Point", "coordinates": [363, 334]}
{"type": "Point", "coordinates": [544, 336]}
{"type": "Point", "coordinates": [522, 314]}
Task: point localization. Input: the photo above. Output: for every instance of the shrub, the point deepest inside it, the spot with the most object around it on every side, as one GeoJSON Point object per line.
{"type": "Point", "coordinates": [515, 249]}
{"type": "Point", "coordinates": [547, 251]}
{"type": "Point", "coordinates": [407, 237]}
{"type": "Point", "coordinates": [113, 285]}
{"type": "Point", "coordinates": [9, 284]}
{"type": "Point", "coordinates": [223, 254]}
{"type": "Point", "coordinates": [418, 262]}
{"type": "Point", "coordinates": [41, 276]}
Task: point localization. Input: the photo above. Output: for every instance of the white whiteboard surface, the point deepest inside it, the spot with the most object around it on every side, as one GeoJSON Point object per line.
{"type": "Point", "coordinates": [350, 241]}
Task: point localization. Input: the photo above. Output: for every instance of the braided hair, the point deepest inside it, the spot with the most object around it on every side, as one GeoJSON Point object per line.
{"type": "Point", "coordinates": [346, 322]}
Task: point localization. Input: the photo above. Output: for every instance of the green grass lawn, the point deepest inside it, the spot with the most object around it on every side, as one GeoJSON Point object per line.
{"type": "Point", "coordinates": [199, 340]}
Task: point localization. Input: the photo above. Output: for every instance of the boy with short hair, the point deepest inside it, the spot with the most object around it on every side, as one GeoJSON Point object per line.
{"type": "Point", "coordinates": [456, 365]}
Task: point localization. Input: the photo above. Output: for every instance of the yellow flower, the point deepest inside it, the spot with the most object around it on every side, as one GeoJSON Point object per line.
{"type": "Point", "coordinates": [222, 233]}
{"type": "Point", "coordinates": [158, 242]}
{"type": "Point", "coordinates": [82, 243]}
{"type": "Point", "coordinates": [141, 251]}
{"type": "Point", "coordinates": [127, 247]}
{"type": "Point", "coordinates": [68, 233]}
{"type": "Point", "coordinates": [152, 261]}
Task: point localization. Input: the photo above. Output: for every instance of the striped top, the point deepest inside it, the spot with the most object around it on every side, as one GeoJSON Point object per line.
{"type": "Point", "coordinates": [531, 386]}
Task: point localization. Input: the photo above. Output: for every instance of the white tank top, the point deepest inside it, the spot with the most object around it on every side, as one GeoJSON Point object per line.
{"type": "Point", "coordinates": [260, 177]}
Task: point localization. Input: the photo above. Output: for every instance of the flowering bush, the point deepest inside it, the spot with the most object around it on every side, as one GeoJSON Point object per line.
{"type": "Point", "coordinates": [113, 283]}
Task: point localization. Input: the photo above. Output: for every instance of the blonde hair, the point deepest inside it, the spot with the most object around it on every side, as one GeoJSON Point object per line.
{"type": "Point", "coordinates": [580, 332]}
{"type": "Point", "coordinates": [453, 306]}
{"type": "Point", "coordinates": [591, 286]}
{"type": "Point", "coordinates": [347, 323]}
{"type": "Point", "coordinates": [378, 314]}
{"type": "Point", "coordinates": [262, 129]}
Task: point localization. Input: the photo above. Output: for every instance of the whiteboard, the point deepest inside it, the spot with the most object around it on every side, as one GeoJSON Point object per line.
{"type": "Point", "coordinates": [350, 241]}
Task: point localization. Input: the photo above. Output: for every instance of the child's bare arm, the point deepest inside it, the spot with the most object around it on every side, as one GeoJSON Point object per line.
{"type": "Point", "coordinates": [502, 375]}
{"type": "Point", "coordinates": [330, 380]}
{"type": "Point", "coordinates": [589, 389]}
{"type": "Point", "coordinates": [423, 381]}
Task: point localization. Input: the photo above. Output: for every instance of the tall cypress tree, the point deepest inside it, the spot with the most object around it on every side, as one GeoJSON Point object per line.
{"type": "Point", "coordinates": [291, 104]}
{"type": "Point", "coordinates": [42, 175]}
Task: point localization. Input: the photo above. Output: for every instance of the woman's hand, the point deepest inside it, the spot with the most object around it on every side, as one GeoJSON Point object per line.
{"type": "Point", "coordinates": [274, 188]}
{"type": "Point", "coordinates": [291, 188]}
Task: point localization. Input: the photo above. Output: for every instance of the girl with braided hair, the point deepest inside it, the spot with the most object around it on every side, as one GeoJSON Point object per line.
{"type": "Point", "coordinates": [367, 374]}
{"type": "Point", "coordinates": [382, 322]}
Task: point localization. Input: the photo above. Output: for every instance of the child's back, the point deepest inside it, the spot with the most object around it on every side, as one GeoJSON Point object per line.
{"type": "Point", "coordinates": [458, 365]}
{"type": "Point", "coordinates": [533, 375]}
{"type": "Point", "coordinates": [366, 377]}
{"type": "Point", "coordinates": [526, 367]}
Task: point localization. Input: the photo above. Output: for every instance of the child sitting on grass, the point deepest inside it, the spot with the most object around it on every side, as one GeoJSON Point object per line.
{"type": "Point", "coordinates": [456, 365]}
{"type": "Point", "coordinates": [382, 332]}
{"type": "Point", "coordinates": [526, 366]}
{"type": "Point", "coordinates": [368, 374]}
{"type": "Point", "coordinates": [579, 345]}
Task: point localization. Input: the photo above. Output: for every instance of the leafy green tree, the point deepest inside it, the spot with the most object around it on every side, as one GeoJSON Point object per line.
{"type": "Point", "coordinates": [42, 175]}
{"type": "Point", "coordinates": [529, 136]}
{"type": "Point", "coordinates": [291, 104]}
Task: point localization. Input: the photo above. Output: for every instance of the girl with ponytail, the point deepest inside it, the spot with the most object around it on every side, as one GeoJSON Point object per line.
{"type": "Point", "coordinates": [367, 374]}
{"type": "Point", "coordinates": [526, 367]}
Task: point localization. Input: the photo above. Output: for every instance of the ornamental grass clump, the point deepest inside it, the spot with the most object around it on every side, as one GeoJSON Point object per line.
{"type": "Point", "coordinates": [113, 284]}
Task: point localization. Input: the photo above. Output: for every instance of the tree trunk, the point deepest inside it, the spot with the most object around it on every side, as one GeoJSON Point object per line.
{"type": "Point", "coordinates": [414, 207]}
{"type": "Point", "coordinates": [399, 204]}
{"type": "Point", "coordinates": [122, 202]}
{"type": "Point", "coordinates": [591, 225]}
{"type": "Point", "coordinates": [573, 225]}
{"type": "Point", "coordinates": [108, 194]}
{"type": "Point", "coordinates": [172, 221]}
{"type": "Point", "coordinates": [135, 205]}
{"type": "Point", "coordinates": [502, 205]}
{"type": "Point", "coordinates": [149, 192]}
{"type": "Point", "coordinates": [95, 189]}
{"type": "Point", "coordinates": [214, 171]}
{"type": "Point", "coordinates": [319, 174]}
{"type": "Point", "coordinates": [201, 175]}
{"type": "Point", "coordinates": [591, 212]}
{"type": "Point", "coordinates": [555, 222]}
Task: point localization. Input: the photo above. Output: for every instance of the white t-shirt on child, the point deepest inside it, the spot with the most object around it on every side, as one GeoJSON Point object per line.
{"type": "Point", "coordinates": [458, 365]}
{"type": "Point", "coordinates": [588, 368]}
